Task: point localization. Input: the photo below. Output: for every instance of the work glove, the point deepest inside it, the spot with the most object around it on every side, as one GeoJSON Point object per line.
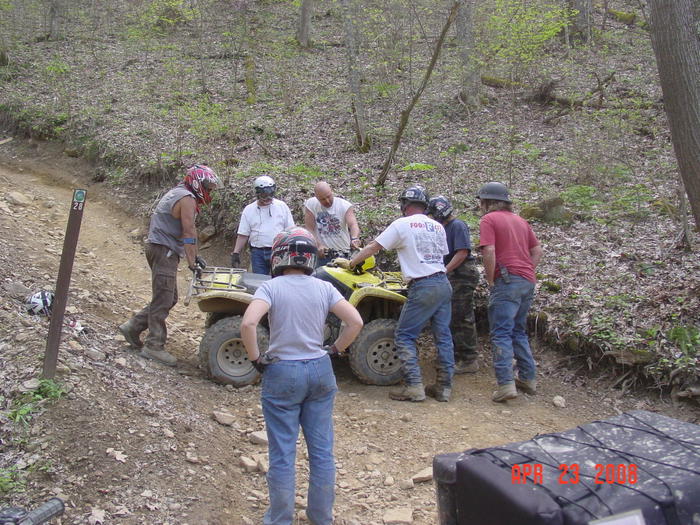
{"type": "Point", "coordinates": [199, 262]}
{"type": "Point", "coordinates": [235, 260]}
{"type": "Point", "coordinates": [260, 364]}
{"type": "Point", "coordinates": [331, 349]}
{"type": "Point", "coordinates": [340, 262]}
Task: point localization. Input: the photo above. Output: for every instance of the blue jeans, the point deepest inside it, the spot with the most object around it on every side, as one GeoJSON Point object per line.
{"type": "Point", "coordinates": [429, 299]}
{"type": "Point", "coordinates": [508, 307]}
{"type": "Point", "coordinates": [260, 260]}
{"type": "Point", "coordinates": [298, 393]}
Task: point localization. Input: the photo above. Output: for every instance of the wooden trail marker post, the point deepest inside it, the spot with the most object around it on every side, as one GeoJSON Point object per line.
{"type": "Point", "coordinates": [75, 218]}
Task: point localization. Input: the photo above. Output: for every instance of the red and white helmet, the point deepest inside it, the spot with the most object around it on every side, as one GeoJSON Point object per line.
{"type": "Point", "coordinates": [200, 180]}
{"type": "Point", "coordinates": [294, 247]}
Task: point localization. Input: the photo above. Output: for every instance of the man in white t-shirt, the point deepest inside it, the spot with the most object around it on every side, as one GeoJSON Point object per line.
{"type": "Point", "coordinates": [260, 221]}
{"type": "Point", "coordinates": [333, 223]}
{"type": "Point", "coordinates": [421, 244]}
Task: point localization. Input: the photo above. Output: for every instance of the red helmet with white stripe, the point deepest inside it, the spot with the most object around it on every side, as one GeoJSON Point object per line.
{"type": "Point", "coordinates": [201, 180]}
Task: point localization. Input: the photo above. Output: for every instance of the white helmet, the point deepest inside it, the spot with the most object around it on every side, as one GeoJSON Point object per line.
{"type": "Point", "coordinates": [40, 303]}
{"type": "Point", "coordinates": [264, 186]}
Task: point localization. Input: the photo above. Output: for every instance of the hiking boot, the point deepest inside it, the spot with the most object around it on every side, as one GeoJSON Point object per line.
{"type": "Point", "coordinates": [439, 392]}
{"type": "Point", "coordinates": [529, 387]}
{"type": "Point", "coordinates": [505, 392]}
{"type": "Point", "coordinates": [408, 393]}
{"type": "Point", "coordinates": [159, 355]}
{"type": "Point", "coordinates": [131, 335]}
{"type": "Point", "coordinates": [466, 367]}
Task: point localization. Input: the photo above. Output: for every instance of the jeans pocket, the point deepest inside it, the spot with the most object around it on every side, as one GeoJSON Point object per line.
{"type": "Point", "coordinates": [279, 380]}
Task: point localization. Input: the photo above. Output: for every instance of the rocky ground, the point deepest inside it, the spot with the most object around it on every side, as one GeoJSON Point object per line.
{"type": "Point", "coordinates": [136, 442]}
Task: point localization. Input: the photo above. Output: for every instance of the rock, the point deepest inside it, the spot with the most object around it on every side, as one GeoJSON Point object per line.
{"type": "Point", "coordinates": [424, 475]}
{"type": "Point", "coordinates": [120, 361]}
{"type": "Point", "coordinates": [248, 464]}
{"type": "Point", "coordinates": [95, 355]}
{"type": "Point", "coordinates": [259, 437]}
{"type": "Point", "coordinates": [262, 463]}
{"type": "Point", "coordinates": [406, 418]}
{"type": "Point", "coordinates": [406, 484]}
{"type": "Point", "coordinates": [223, 418]}
{"type": "Point", "coordinates": [30, 384]}
{"type": "Point", "coordinates": [399, 516]}
{"type": "Point", "coordinates": [16, 290]}
{"type": "Point", "coordinates": [5, 208]}
{"type": "Point", "coordinates": [389, 481]}
{"type": "Point", "coordinates": [206, 233]}
{"type": "Point", "coordinates": [18, 199]}
{"type": "Point", "coordinates": [559, 401]}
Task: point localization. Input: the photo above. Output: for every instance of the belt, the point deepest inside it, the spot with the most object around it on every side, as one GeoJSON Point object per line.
{"type": "Point", "coordinates": [425, 277]}
{"type": "Point", "coordinates": [261, 247]}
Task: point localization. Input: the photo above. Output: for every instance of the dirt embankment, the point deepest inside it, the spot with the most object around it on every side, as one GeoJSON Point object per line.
{"type": "Point", "coordinates": [135, 442]}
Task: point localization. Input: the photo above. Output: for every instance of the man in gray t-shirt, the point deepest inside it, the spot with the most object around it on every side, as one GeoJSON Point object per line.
{"type": "Point", "coordinates": [172, 235]}
{"type": "Point", "coordinates": [298, 385]}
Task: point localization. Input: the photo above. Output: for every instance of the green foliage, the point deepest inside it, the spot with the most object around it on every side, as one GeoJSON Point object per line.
{"type": "Point", "coordinates": [208, 119]}
{"type": "Point", "coordinates": [25, 405]}
{"type": "Point", "coordinates": [418, 166]}
{"type": "Point", "coordinates": [385, 89]}
{"type": "Point", "coordinates": [517, 31]}
{"type": "Point", "coordinates": [57, 68]}
{"type": "Point", "coordinates": [687, 338]}
{"type": "Point", "coordinates": [581, 197]}
{"type": "Point", "coordinates": [10, 481]}
{"type": "Point", "coordinates": [307, 173]}
{"type": "Point", "coordinates": [551, 286]}
{"type": "Point", "coordinates": [162, 16]}
{"type": "Point", "coordinates": [629, 200]}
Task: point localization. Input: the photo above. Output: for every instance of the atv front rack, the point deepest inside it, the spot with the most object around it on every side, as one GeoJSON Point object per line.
{"type": "Point", "coordinates": [212, 278]}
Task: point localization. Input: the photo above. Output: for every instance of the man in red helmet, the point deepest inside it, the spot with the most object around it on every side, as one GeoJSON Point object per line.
{"type": "Point", "coordinates": [172, 235]}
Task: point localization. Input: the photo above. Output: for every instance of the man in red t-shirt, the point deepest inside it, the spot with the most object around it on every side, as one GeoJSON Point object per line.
{"type": "Point", "coordinates": [510, 252]}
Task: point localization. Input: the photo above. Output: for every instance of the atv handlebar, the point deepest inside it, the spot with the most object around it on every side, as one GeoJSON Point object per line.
{"type": "Point", "coordinates": [53, 508]}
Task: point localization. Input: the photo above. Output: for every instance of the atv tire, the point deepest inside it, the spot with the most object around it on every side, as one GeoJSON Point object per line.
{"type": "Point", "coordinates": [223, 356]}
{"type": "Point", "coordinates": [373, 356]}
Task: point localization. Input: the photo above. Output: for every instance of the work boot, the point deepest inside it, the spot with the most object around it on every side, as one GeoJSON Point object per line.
{"type": "Point", "coordinates": [529, 387]}
{"type": "Point", "coordinates": [159, 355]}
{"type": "Point", "coordinates": [505, 392]}
{"type": "Point", "coordinates": [131, 335]}
{"type": "Point", "coordinates": [408, 393]}
{"type": "Point", "coordinates": [466, 367]}
{"type": "Point", "coordinates": [439, 392]}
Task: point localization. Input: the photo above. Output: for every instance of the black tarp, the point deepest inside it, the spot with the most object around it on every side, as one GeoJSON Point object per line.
{"type": "Point", "coordinates": [477, 487]}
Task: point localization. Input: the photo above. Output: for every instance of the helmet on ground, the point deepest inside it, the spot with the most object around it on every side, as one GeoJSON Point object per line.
{"type": "Point", "coordinates": [414, 195]}
{"type": "Point", "coordinates": [440, 208]}
{"type": "Point", "coordinates": [494, 191]}
{"type": "Point", "coordinates": [294, 247]}
{"type": "Point", "coordinates": [264, 186]}
{"type": "Point", "coordinates": [200, 180]}
{"type": "Point", "coordinates": [40, 303]}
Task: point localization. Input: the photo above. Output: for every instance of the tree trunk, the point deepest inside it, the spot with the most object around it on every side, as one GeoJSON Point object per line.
{"type": "Point", "coordinates": [470, 85]}
{"type": "Point", "coordinates": [406, 113]}
{"type": "Point", "coordinates": [352, 51]}
{"type": "Point", "coordinates": [580, 27]}
{"type": "Point", "coordinates": [676, 43]}
{"type": "Point", "coordinates": [51, 22]}
{"type": "Point", "coordinates": [305, 23]}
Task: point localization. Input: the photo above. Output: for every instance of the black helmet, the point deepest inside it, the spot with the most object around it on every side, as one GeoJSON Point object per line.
{"type": "Point", "coordinates": [494, 191]}
{"type": "Point", "coordinates": [414, 194]}
{"type": "Point", "coordinates": [294, 247]}
{"type": "Point", "coordinates": [440, 208]}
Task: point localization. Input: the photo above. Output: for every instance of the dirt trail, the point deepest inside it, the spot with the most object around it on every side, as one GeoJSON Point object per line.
{"type": "Point", "coordinates": [180, 465]}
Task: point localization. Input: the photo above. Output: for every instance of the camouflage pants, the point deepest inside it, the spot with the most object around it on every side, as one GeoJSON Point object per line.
{"type": "Point", "coordinates": [463, 326]}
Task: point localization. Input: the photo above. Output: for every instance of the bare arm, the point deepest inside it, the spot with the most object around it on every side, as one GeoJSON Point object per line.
{"type": "Point", "coordinates": [352, 324]}
{"type": "Point", "coordinates": [353, 227]}
{"type": "Point", "coordinates": [371, 249]}
{"type": "Point", "coordinates": [241, 241]}
{"type": "Point", "coordinates": [187, 209]}
{"type": "Point", "coordinates": [255, 311]}
{"type": "Point", "coordinates": [536, 255]}
{"type": "Point", "coordinates": [456, 260]}
{"type": "Point", "coordinates": [488, 254]}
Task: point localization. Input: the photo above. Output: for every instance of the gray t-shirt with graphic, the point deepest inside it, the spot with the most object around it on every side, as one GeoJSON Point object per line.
{"type": "Point", "coordinates": [299, 305]}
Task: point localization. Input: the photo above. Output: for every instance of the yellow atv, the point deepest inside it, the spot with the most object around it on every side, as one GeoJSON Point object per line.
{"type": "Point", "coordinates": [224, 294]}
